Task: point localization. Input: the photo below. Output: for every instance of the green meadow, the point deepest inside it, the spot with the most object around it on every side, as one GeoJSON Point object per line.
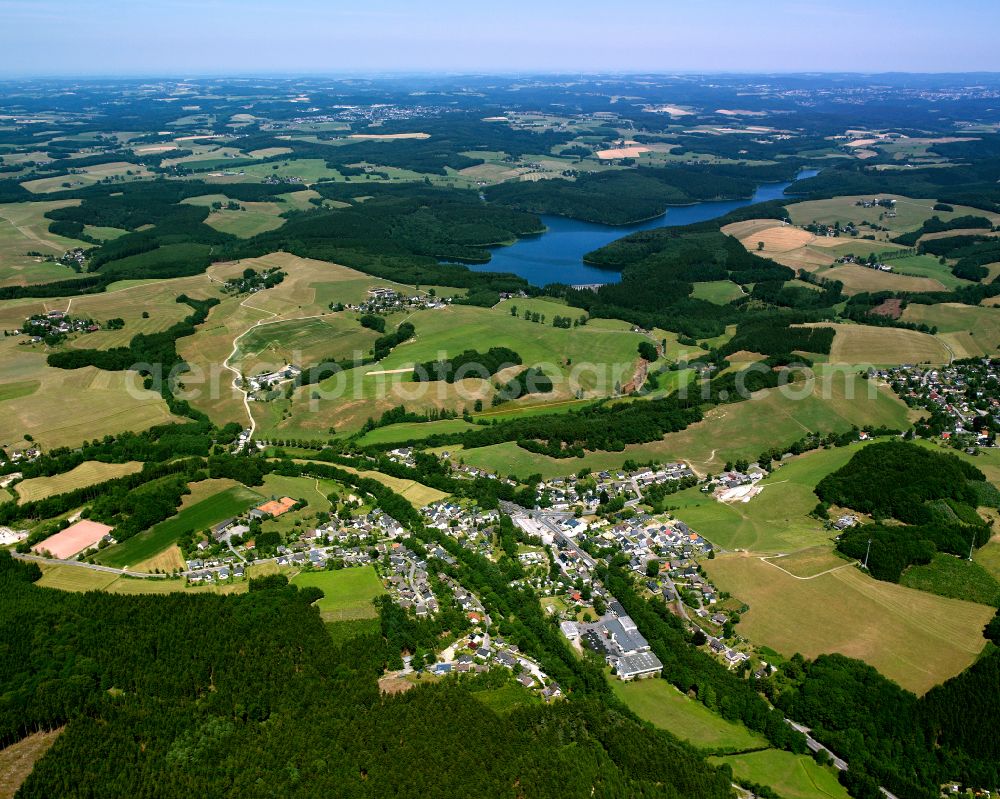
{"type": "Point", "coordinates": [200, 516]}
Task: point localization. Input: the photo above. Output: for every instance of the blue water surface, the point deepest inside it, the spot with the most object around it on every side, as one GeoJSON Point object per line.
{"type": "Point", "coordinates": [556, 256]}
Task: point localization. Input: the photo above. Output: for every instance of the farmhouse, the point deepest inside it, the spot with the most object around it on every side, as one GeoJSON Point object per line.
{"type": "Point", "coordinates": [73, 540]}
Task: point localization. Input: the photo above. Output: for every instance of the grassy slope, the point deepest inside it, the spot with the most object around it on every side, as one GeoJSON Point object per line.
{"type": "Point", "coordinates": [838, 400]}
{"type": "Point", "coordinates": [969, 330]}
{"type": "Point", "coordinates": [197, 517]}
{"type": "Point", "coordinates": [774, 521]}
{"type": "Point", "coordinates": [413, 430]}
{"type": "Point", "coordinates": [792, 776]}
{"type": "Point", "coordinates": [717, 291]}
{"type": "Point", "coordinates": [664, 706]}
{"type": "Point", "coordinates": [348, 593]}
{"type": "Point", "coordinates": [914, 638]}
{"type": "Point", "coordinates": [87, 473]}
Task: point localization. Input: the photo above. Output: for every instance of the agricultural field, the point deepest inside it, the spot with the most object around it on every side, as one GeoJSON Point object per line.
{"type": "Point", "coordinates": [811, 561]}
{"type": "Point", "coordinates": [799, 249]}
{"type": "Point", "coordinates": [858, 279]}
{"type": "Point", "coordinates": [970, 331]}
{"type": "Point", "coordinates": [717, 291]}
{"type": "Point", "coordinates": [838, 400]}
{"type": "Point", "coordinates": [87, 473]}
{"type": "Point", "coordinates": [988, 556]}
{"type": "Point", "coordinates": [591, 358]}
{"type": "Point", "coordinates": [307, 290]}
{"type": "Point", "coordinates": [198, 517]}
{"type": "Point", "coordinates": [348, 593]}
{"type": "Point", "coordinates": [910, 213]}
{"type": "Point", "coordinates": [863, 344]}
{"type": "Point", "coordinates": [913, 637]}
{"type": "Point", "coordinates": [75, 578]}
{"type": "Point", "coordinates": [127, 300]}
{"type": "Point", "coordinates": [303, 341]}
{"type": "Point", "coordinates": [163, 562]}
{"type": "Point", "coordinates": [791, 776]}
{"type": "Point", "coordinates": [61, 407]}
{"type": "Point", "coordinates": [406, 431]}
{"type": "Point", "coordinates": [131, 585]}
{"type": "Point", "coordinates": [204, 489]}
{"type": "Point", "coordinates": [309, 170]}
{"type": "Point", "coordinates": [251, 219]}
{"type": "Point", "coordinates": [417, 493]}
{"type": "Point", "coordinates": [456, 328]}
{"type": "Point", "coordinates": [88, 176]}
{"type": "Point", "coordinates": [659, 703]}
{"type": "Point", "coordinates": [774, 521]}
{"type": "Point", "coordinates": [24, 229]}
{"type": "Point", "coordinates": [927, 266]}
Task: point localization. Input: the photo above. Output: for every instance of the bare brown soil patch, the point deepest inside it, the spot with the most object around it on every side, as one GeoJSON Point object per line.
{"type": "Point", "coordinates": [891, 308]}
{"type": "Point", "coordinates": [394, 685]}
{"type": "Point", "coordinates": [17, 760]}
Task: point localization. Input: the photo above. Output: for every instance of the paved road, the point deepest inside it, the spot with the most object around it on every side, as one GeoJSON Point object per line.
{"type": "Point", "coordinates": [92, 566]}
{"type": "Point", "coordinates": [814, 746]}
{"type": "Point", "coordinates": [681, 609]}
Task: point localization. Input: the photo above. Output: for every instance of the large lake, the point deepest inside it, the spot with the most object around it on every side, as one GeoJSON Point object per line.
{"type": "Point", "coordinates": [556, 256]}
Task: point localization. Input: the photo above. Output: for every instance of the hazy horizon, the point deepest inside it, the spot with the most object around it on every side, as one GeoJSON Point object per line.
{"type": "Point", "coordinates": [116, 38]}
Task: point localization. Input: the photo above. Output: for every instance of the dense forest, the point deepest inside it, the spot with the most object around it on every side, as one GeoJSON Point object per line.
{"type": "Point", "coordinates": [658, 269]}
{"type": "Point", "coordinates": [624, 197]}
{"type": "Point", "coordinates": [468, 363]}
{"type": "Point", "coordinates": [934, 494]}
{"type": "Point", "coordinates": [888, 735]}
{"type": "Point", "coordinates": [248, 694]}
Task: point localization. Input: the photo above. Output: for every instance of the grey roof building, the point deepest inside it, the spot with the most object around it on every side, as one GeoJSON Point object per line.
{"type": "Point", "coordinates": [638, 665]}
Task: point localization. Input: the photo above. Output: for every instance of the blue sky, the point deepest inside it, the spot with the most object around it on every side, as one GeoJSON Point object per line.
{"type": "Point", "coordinates": [187, 37]}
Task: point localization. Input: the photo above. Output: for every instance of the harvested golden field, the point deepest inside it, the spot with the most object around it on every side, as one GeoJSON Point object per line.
{"type": "Point", "coordinates": [75, 578]}
{"type": "Point", "coordinates": [862, 344]}
{"type": "Point", "coordinates": [621, 152]}
{"type": "Point", "coordinates": [858, 279]}
{"type": "Point", "coordinates": [389, 136]}
{"type": "Point", "coordinates": [63, 407]}
{"type": "Point", "coordinates": [87, 473]}
{"type": "Point", "coordinates": [915, 638]}
{"type": "Point", "coordinates": [417, 493]}
{"type": "Point", "coordinates": [797, 249]}
{"type": "Point", "coordinates": [780, 238]}
{"type": "Point", "coordinates": [741, 230]}
{"type": "Point", "coordinates": [970, 331]}
{"type": "Point", "coordinates": [165, 561]}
